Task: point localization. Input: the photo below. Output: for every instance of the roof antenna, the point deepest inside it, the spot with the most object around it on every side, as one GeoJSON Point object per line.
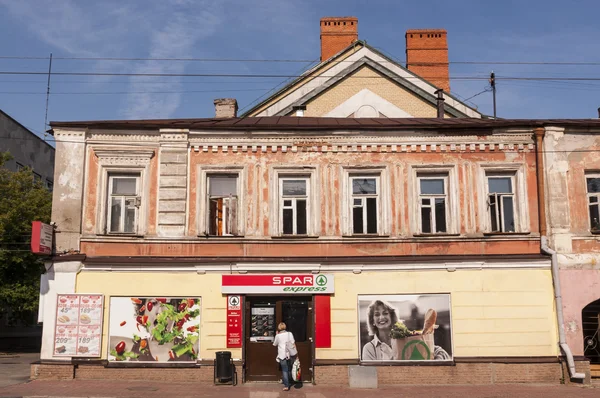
{"type": "Point", "coordinates": [47, 98]}
{"type": "Point", "coordinates": [493, 84]}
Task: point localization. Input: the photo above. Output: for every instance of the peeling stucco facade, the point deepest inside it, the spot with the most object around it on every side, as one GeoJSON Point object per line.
{"type": "Point", "coordinates": [571, 155]}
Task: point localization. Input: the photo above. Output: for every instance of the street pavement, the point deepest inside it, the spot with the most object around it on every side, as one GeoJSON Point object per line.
{"type": "Point", "coordinates": [146, 388]}
{"type": "Point", "coordinates": [14, 367]}
{"type": "Point", "coordinates": [14, 375]}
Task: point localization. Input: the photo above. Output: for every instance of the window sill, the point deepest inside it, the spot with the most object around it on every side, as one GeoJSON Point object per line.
{"type": "Point", "coordinates": [433, 235]}
{"type": "Point", "coordinates": [298, 237]}
{"type": "Point", "coordinates": [365, 236]}
{"type": "Point", "coordinates": [595, 232]}
{"type": "Point", "coordinates": [221, 236]}
{"type": "Point", "coordinates": [506, 233]}
{"type": "Point", "coordinates": [118, 235]}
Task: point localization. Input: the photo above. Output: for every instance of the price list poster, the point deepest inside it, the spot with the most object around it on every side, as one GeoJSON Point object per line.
{"type": "Point", "coordinates": [78, 329]}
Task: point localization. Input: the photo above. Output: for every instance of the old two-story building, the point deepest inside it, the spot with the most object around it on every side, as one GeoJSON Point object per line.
{"type": "Point", "coordinates": [572, 186]}
{"type": "Point", "coordinates": [388, 224]}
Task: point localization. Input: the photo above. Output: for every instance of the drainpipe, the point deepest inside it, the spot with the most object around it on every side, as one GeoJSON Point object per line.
{"type": "Point", "coordinates": [562, 341]}
{"type": "Point", "coordinates": [559, 312]}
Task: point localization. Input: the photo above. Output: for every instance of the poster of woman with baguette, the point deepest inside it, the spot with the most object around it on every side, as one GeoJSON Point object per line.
{"type": "Point", "coordinates": [405, 327]}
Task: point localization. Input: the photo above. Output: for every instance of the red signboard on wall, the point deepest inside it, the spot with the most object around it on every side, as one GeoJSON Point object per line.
{"type": "Point", "coordinates": [41, 238]}
{"type": "Point", "coordinates": [234, 321]}
{"type": "Point", "coordinates": [278, 284]}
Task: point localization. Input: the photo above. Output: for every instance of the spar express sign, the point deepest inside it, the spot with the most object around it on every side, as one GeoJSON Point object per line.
{"type": "Point", "coordinates": [279, 283]}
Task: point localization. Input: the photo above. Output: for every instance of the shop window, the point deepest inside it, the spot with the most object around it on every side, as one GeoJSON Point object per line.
{"type": "Point", "coordinates": [501, 202]}
{"type": "Point", "coordinates": [593, 198]}
{"type": "Point", "coordinates": [222, 205]}
{"type": "Point", "coordinates": [123, 203]}
{"type": "Point", "coordinates": [294, 205]}
{"type": "Point", "coordinates": [433, 203]}
{"type": "Point", "coordinates": [365, 204]}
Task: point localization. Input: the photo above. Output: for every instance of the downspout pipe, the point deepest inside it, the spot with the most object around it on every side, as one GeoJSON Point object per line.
{"type": "Point", "coordinates": [562, 341]}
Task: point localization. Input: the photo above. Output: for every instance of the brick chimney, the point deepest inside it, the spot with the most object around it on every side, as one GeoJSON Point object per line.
{"type": "Point", "coordinates": [337, 33]}
{"type": "Point", "coordinates": [226, 107]}
{"type": "Point", "coordinates": [427, 55]}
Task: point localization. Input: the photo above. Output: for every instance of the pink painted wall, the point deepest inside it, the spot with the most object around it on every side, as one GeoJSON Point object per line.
{"type": "Point", "coordinates": [579, 287]}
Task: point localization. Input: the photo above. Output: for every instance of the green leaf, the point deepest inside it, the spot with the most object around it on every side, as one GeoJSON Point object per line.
{"type": "Point", "coordinates": [22, 200]}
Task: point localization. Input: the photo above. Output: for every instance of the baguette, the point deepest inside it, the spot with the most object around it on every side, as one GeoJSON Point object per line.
{"type": "Point", "coordinates": [429, 324]}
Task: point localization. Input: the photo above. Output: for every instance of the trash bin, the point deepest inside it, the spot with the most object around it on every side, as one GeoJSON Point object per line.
{"type": "Point", "coordinates": [224, 368]}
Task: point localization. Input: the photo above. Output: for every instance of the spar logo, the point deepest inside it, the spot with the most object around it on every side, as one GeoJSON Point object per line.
{"type": "Point", "coordinates": [321, 280]}
{"type": "Point", "coordinates": [293, 280]}
{"type": "Point", "coordinates": [416, 350]}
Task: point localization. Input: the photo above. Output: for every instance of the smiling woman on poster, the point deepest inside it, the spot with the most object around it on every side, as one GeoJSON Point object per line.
{"type": "Point", "coordinates": [380, 318]}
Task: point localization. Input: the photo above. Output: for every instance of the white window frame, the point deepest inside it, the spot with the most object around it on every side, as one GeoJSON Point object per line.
{"type": "Point", "coordinates": [587, 201]}
{"type": "Point", "coordinates": [202, 206]}
{"type": "Point", "coordinates": [512, 195]}
{"type": "Point", "coordinates": [451, 187]}
{"type": "Point", "coordinates": [113, 161]}
{"type": "Point", "coordinates": [520, 201]}
{"type": "Point", "coordinates": [293, 172]}
{"type": "Point", "coordinates": [226, 221]}
{"type": "Point", "coordinates": [135, 197]}
{"type": "Point", "coordinates": [381, 173]}
{"type": "Point", "coordinates": [363, 199]}
{"type": "Point", "coordinates": [433, 197]}
{"type": "Point", "coordinates": [294, 200]}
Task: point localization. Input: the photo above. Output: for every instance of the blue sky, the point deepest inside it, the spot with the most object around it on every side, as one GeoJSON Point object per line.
{"type": "Point", "coordinates": [507, 30]}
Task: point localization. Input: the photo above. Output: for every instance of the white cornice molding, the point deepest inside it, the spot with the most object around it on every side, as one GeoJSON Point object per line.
{"type": "Point", "coordinates": [447, 146]}
{"type": "Point", "coordinates": [70, 135]}
{"type": "Point", "coordinates": [316, 267]}
{"type": "Point", "coordinates": [130, 156]}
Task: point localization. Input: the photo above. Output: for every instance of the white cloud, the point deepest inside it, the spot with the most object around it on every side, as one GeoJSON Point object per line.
{"type": "Point", "coordinates": [157, 29]}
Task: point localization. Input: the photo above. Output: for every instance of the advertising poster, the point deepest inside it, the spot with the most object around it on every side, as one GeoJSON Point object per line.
{"type": "Point", "coordinates": [78, 330]}
{"type": "Point", "coordinates": [234, 321]}
{"type": "Point", "coordinates": [154, 329]}
{"type": "Point", "coordinates": [262, 324]}
{"type": "Point", "coordinates": [405, 327]}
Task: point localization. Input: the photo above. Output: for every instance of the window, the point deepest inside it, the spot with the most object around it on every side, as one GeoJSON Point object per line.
{"type": "Point", "coordinates": [19, 166]}
{"type": "Point", "coordinates": [433, 203]}
{"type": "Point", "coordinates": [123, 203]}
{"type": "Point", "coordinates": [501, 202]}
{"type": "Point", "coordinates": [292, 193]}
{"type": "Point", "coordinates": [222, 205]}
{"type": "Point", "coordinates": [37, 177]}
{"type": "Point", "coordinates": [365, 204]}
{"type": "Point", "coordinates": [593, 195]}
{"type": "Point", "coordinates": [49, 185]}
{"type": "Point", "coordinates": [293, 204]}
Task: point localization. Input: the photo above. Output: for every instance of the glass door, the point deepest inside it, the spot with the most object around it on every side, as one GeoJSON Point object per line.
{"type": "Point", "coordinates": [263, 314]}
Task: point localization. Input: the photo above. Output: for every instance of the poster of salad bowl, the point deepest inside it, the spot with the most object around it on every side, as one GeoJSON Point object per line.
{"type": "Point", "coordinates": [405, 327]}
{"type": "Point", "coordinates": [154, 329]}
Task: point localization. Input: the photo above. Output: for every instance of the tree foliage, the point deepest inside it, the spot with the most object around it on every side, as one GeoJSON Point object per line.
{"type": "Point", "coordinates": [22, 200]}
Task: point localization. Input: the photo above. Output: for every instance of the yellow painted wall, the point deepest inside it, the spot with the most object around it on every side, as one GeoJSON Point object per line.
{"type": "Point", "coordinates": [370, 79]}
{"type": "Point", "coordinates": [213, 325]}
{"type": "Point", "coordinates": [494, 312]}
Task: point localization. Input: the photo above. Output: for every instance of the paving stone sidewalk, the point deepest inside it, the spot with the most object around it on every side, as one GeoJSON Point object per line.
{"type": "Point", "coordinates": [148, 388]}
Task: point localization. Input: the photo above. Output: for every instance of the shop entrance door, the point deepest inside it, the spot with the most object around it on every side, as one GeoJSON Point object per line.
{"type": "Point", "coordinates": [263, 314]}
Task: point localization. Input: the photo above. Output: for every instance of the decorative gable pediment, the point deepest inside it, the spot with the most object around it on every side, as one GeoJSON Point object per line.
{"type": "Point", "coordinates": [365, 103]}
{"type": "Point", "coordinates": [318, 80]}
